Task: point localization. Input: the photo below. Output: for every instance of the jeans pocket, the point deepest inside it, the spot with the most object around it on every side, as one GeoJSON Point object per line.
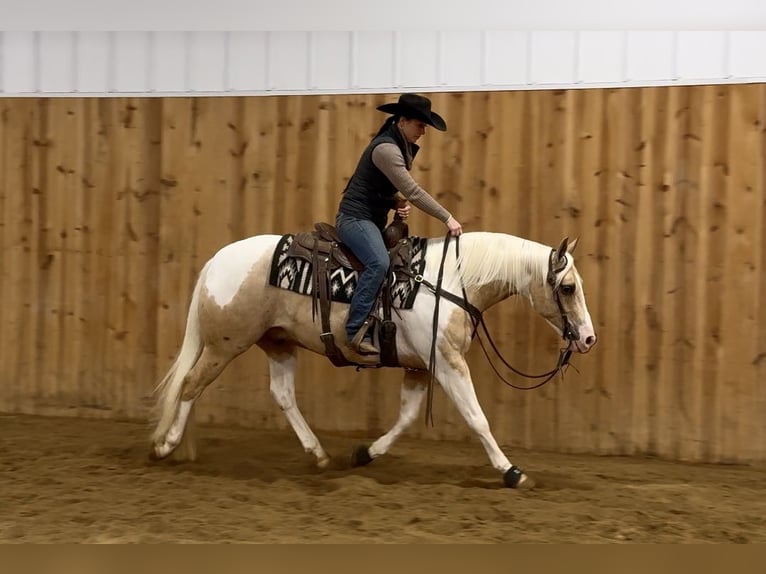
{"type": "Point", "coordinates": [341, 221]}
{"type": "Point", "coordinates": [349, 229]}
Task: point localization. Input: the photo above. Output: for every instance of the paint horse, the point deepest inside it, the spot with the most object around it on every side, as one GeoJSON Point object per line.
{"type": "Point", "coordinates": [234, 306]}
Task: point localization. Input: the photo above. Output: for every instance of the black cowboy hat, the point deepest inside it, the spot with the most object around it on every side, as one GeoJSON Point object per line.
{"type": "Point", "coordinates": [415, 107]}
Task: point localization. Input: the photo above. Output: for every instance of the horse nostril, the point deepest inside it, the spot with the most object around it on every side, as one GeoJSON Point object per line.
{"type": "Point", "coordinates": [591, 340]}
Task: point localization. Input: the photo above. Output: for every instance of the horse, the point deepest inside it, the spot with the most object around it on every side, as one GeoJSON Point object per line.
{"type": "Point", "coordinates": [233, 307]}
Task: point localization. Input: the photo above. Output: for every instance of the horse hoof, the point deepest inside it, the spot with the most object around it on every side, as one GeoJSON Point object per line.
{"type": "Point", "coordinates": [525, 483]}
{"type": "Point", "coordinates": [361, 456]}
{"type": "Point", "coordinates": [154, 456]}
{"type": "Point", "coordinates": [160, 452]}
{"type": "Point", "coordinates": [323, 463]}
{"type": "Point", "coordinates": [515, 478]}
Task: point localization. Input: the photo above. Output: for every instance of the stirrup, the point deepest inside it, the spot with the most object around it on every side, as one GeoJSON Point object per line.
{"type": "Point", "coordinates": [358, 341]}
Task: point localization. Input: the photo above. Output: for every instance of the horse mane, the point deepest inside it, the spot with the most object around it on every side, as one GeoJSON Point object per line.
{"type": "Point", "coordinates": [486, 256]}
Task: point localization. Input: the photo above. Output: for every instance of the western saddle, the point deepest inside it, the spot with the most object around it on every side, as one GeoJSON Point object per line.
{"type": "Point", "coordinates": [324, 250]}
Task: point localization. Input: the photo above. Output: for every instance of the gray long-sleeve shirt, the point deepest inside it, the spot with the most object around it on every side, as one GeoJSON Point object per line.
{"type": "Point", "coordinates": [388, 158]}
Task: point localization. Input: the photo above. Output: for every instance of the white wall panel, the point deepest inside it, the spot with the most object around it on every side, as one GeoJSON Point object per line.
{"type": "Point", "coordinates": [57, 62]}
{"type": "Point", "coordinates": [331, 15]}
{"type": "Point", "coordinates": [601, 57]}
{"type": "Point", "coordinates": [287, 65]}
{"type": "Point", "coordinates": [507, 58]}
{"type": "Point", "coordinates": [701, 55]}
{"type": "Point", "coordinates": [330, 60]}
{"type": "Point", "coordinates": [336, 61]}
{"type": "Point", "coordinates": [553, 57]}
{"type": "Point", "coordinates": [418, 60]}
{"type": "Point", "coordinates": [93, 61]}
{"type": "Point", "coordinates": [248, 52]}
{"type": "Point", "coordinates": [19, 64]}
{"type": "Point", "coordinates": [651, 56]}
{"type": "Point", "coordinates": [747, 54]}
{"type": "Point", "coordinates": [169, 62]}
{"type": "Point", "coordinates": [374, 59]}
{"type": "Point", "coordinates": [207, 61]}
{"type": "Point", "coordinates": [129, 69]}
{"type": "Point", "coordinates": [462, 61]}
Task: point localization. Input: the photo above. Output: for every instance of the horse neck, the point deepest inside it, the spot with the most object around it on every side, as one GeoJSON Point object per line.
{"type": "Point", "coordinates": [497, 266]}
{"type": "Point", "coordinates": [489, 294]}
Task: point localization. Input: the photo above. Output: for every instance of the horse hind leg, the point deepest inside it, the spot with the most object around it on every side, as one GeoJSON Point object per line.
{"type": "Point", "coordinates": [414, 386]}
{"type": "Point", "coordinates": [179, 439]}
{"type": "Point", "coordinates": [282, 363]}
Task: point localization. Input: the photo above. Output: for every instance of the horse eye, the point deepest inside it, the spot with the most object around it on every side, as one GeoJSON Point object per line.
{"type": "Point", "coordinates": [568, 289]}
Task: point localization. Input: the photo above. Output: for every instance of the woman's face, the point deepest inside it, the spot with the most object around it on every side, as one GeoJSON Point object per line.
{"type": "Point", "coordinates": [412, 129]}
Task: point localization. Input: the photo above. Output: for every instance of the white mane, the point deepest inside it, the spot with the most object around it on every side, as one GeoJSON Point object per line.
{"type": "Point", "coordinates": [486, 257]}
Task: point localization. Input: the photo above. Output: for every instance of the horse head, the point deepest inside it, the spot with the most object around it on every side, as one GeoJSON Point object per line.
{"type": "Point", "coordinates": [560, 299]}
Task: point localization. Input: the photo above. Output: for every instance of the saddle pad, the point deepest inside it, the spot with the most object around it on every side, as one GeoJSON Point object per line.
{"type": "Point", "coordinates": [295, 274]}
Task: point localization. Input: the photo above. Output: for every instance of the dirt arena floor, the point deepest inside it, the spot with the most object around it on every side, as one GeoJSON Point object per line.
{"type": "Point", "coordinates": [89, 481]}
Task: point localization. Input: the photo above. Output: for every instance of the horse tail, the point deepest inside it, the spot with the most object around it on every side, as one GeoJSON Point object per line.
{"type": "Point", "coordinates": [169, 389]}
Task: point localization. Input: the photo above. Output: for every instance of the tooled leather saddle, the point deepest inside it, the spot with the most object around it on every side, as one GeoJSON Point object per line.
{"type": "Point", "coordinates": [324, 250]}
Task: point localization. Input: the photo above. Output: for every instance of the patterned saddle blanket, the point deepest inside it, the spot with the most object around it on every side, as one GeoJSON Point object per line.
{"type": "Point", "coordinates": [296, 274]}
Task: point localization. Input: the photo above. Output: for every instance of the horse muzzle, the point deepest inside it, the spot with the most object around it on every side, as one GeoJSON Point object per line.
{"type": "Point", "coordinates": [584, 343]}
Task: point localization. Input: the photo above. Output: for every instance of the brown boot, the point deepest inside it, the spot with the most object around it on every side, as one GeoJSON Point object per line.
{"type": "Point", "coordinates": [361, 346]}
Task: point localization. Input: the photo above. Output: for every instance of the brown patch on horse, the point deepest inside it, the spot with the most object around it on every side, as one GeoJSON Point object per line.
{"type": "Point", "coordinates": [455, 341]}
{"type": "Point", "coordinates": [263, 314]}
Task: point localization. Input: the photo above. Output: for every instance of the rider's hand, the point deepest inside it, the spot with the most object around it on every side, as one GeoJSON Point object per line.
{"type": "Point", "coordinates": [454, 227]}
{"type": "Point", "coordinates": [404, 212]}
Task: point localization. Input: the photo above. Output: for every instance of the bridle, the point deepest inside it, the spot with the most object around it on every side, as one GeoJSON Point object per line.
{"type": "Point", "coordinates": [569, 331]}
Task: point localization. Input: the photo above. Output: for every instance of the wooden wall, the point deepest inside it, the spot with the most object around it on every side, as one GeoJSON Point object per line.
{"type": "Point", "coordinates": [109, 207]}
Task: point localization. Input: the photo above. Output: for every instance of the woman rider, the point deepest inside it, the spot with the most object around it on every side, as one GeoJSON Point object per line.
{"type": "Point", "coordinates": [383, 169]}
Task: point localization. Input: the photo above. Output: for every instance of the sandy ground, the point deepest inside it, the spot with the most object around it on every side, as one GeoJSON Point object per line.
{"type": "Point", "coordinates": [89, 481]}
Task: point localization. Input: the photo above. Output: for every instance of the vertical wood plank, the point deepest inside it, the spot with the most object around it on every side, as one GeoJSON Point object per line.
{"type": "Point", "coordinates": [512, 157]}
{"type": "Point", "coordinates": [177, 267]}
{"type": "Point", "coordinates": [591, 115]}
{"type": "Point", "coordinates": [696, 132]}
{"type": "Point", "coordinates": [95, 186]}
{"type": "Point", "coordinates": [571, 426]}
{"type": "Point", "coordinates": [671, 291]}
{"type": "Point", "coordinates": [67, 119]}
{"type": "Point", "coordinates": [715, 209]}
{"type": "Point", "coordinates": [28, 258]}
{"type": "Point", "coordinates": [46, 336]}
{"type": "Point", "coordinates": [740, 315]}
{"type": "Point", "coordinates": [645, 324]}
{"type": "Point", "coordinates": [118, 368]}
{"type": "Point", "coordinates": [6, 238]}
{"type": "Point", "coordinates": [759, 360]}
{"type": "Point", "coordinates": [216, 189]}
{"type": "Point", "coordinates": [20, 132]}
{"type": "Point", "coordinates": [140, 142]}
{"type": "Point", "coordinates": [547, 207]}
{"type": "Point", "coordinates": [625, 161]}
{"type": "Point", "coordinates": [656, 333]}
{"type": "Point", "coordinates": [259, 119]}
{"type": "Point", "coordinates": [683, 230]}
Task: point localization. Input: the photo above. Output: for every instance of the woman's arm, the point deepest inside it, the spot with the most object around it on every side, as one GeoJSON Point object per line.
{"type": "Point", "coordinates": [388, 158]}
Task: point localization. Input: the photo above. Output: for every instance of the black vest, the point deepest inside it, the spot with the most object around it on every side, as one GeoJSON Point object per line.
{"type": "Point", "coordinates": [369, 193]}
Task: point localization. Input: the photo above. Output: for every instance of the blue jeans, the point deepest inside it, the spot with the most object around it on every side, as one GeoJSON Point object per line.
{"type": "Point", "coordinates": [365, 240]}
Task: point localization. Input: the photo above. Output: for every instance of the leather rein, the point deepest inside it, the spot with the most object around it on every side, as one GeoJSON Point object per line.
{"type": "Point", "coordinates": [569, 331]}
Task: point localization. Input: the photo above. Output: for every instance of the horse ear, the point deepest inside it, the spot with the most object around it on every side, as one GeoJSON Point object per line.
{"type": "Point", "coordinates": [572, 245]}
{"type": "Point", "coordinates": [562, 249]}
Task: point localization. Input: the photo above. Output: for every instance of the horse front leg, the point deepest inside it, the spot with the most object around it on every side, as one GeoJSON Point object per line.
{"type": "Point", "coordinates": [455, 378]}
{"type": "Point", "coordinates": [414, 386]}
